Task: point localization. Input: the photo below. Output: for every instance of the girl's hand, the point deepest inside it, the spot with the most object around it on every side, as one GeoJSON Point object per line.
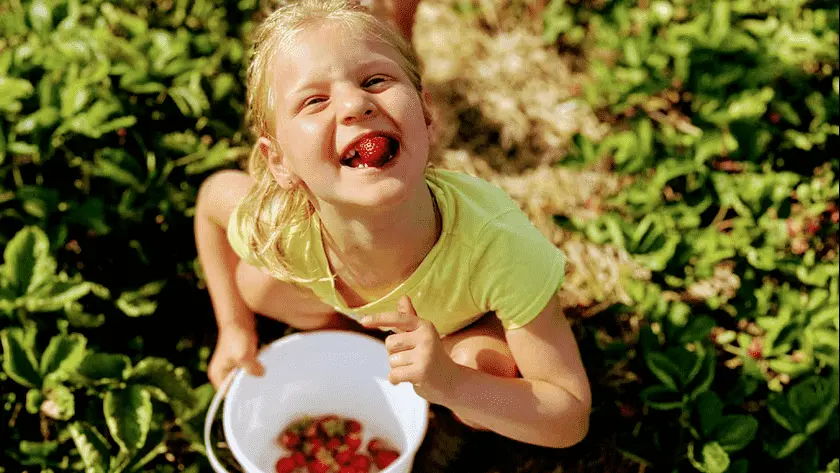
{"type": "Point", "coordinates": [416, 353]}
{"type": "Point", "coordinates": [236, 348]}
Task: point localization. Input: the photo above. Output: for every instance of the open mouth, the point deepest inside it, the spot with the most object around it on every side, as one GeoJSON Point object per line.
{"type": "Point", "coordinates": [372, 151]}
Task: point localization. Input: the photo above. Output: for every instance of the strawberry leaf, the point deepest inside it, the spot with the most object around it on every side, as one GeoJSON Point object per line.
{"type": "Point", "coordinates": [162, 375]}
{"type": "Point", "coordinates": [98, 366]}
{"type": "Point", "coordinates": [128, 413]}
{"type": "Point", "coordinates": [92, 447]}
{"type": "Point", "coordinates": [28, 263]}
{"type": "Point", "coordinates": [19, 360]}
{"type": "Point", "coordinates": [63, 354]}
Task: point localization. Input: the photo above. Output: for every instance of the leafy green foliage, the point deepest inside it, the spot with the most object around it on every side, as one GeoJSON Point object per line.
{"type": "Point", "coordinates": [725, 117]}
{"type": "Point", "coordinates": [111, 114]}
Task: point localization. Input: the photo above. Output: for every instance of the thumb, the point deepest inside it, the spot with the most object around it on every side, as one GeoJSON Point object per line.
{"type": "Point", "coordinates": [252, 366]}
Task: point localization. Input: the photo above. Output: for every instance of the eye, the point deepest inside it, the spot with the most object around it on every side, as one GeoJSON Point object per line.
{"type": "Point", "coordinates": [313, 101]}
{"type": "Point", "coordinates": [374, 81]}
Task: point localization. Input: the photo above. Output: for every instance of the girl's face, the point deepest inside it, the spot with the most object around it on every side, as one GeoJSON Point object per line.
{"type": "Point", "coordinates": [339, 97]}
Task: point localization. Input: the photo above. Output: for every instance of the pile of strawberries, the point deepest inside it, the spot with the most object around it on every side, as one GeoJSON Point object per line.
{"type": "Point", "coordinates": [331, 444]}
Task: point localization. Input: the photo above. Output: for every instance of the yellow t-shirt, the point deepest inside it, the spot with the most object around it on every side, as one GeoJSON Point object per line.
{"type": "Point", "coordinates": [489, 257]}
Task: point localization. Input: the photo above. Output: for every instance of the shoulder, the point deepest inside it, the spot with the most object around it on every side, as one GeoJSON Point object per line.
{"type": "Point", "coordinates": [471, 190]}
{"type": "Point", "coordinates": [468, 203]}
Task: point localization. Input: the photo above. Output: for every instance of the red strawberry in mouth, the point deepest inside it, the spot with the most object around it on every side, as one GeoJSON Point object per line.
{"type": "Point", "coordinates": [371, 151]}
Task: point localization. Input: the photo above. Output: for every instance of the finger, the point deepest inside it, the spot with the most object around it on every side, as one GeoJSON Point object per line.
{"type": "Point", "coordinates": [402, 374]}
{"type": "Point", "coordinates": [406, 307]}
{"type": "Point", "coordinates": [252, 366]}
{"type": "Point", "coordinates": [399, 342]}
{"type": "Point", "coordinates": [397, 360]}
{"type": "Point", "coordinates": [390, 320]}
{"type": "Point", "coordinates": [393, 320]}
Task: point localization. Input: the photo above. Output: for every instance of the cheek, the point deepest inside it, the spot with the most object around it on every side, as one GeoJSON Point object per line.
{"type": "Point", "coordinates": [415, 117]}
{"type": "Point", "coordinates": [308, 135]}
{"type": "Point", "coordinates": [309, 128]}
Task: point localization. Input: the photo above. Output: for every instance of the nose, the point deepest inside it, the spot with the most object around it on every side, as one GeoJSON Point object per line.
{"type": "Point", "coordinates": [356, 106]}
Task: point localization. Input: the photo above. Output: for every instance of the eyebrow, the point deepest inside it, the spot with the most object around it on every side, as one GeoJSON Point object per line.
{"type": "Point", "coordinates": [305, 84]}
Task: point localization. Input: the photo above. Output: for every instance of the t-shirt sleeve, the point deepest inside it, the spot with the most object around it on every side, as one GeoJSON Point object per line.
{"type": "Point", "coordinates": [516, 269]}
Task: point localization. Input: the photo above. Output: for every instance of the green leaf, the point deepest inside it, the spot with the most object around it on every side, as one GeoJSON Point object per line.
{"type": "Point", "coordinates": [137, 303]}
{"type": "Point", "coordinates": [19, 361]}
{"type": "Point", "coordinates": [104, 165]}
{"type": "Point", "coordinates": [2, 144]}
{"type": "Point", "coordinates": [92, 447]}
{"type": "Point", "coordinates": [12, 89]}
{"type": "Point", "coordinates": [74, 97]}
{"type": "Point", "coordinates": [688, 363]}
{"type": "Point", "coordinates": [40, 16]}
{"type": "Point", "coordinates": [34, 399]}
{"type": "Point", "coordinates": [704, 379]}
{"type": "Point", "coordinates": [162, 375]}
{"type": "Point", "coordinates": [698, 329]}
{"type": "Point", "coordinates": [780, 411]}
{"type": "Point", "coordinates": [39, 449]}
{"type": "Point", "coordinates": [39, 201]}
{"type": "Point", "coordinates": [786, 365]}
{"type": "Point", "coordinates": [77, 317]}
{"type": "Point", "coordinates": [219, 155]}
{"type": "Point", "coordinates": [786, 448]}
{"type": "Point", "coordinates": [128, 413]}
{"type": "Point", "coordinates": [709, 411]}
{"type": "Point", "coordinates": [99, 366]}
{"type": "Point", "coordinates": [57, 295]}
{"type": "Point", "coordinates": [808, 396]}
{"type": "Point", "coordinates": [739, 466]}
{"type": "Point", "coordinates": [117, 123]}
{"type": "Point", "coordinates": [91, 214]}
{"type": "Point", "coordinates": [203, 396]}
{"type": "Point", "coordinates": [715, 459]}
{"type": "Point", "coordinates": [43, 118]}
{"type": "Point", "coordinates": [155, 445]}
{"type": "Point", "coordinates": [64, 353]}
{"type": "Point", "coordinates": [735, 432]}
{"type": "Point", "coordinates": [661, 398]}
{"type": "Point", "coordinates": [827, 408]}
{"type": "Point", "coordinates": [658, 259]}
{"type": "Point", "coordinates": [28, 262]}
{"type": "Point", "coordinates": [664, 369]}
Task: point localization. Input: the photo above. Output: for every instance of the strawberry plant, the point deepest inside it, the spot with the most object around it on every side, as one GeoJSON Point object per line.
{"type": "Point", "coordinates": [111, 114]}
{"type": "Point", "coordinates": [724, 115]}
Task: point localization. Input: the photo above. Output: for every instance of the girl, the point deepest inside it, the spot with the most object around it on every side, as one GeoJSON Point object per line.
{"type": "Point", "coordinates": [342, 224]}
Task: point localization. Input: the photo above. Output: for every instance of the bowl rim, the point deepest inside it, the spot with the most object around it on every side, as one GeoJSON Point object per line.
{"type": "Point", "coordinates": [296, 337]}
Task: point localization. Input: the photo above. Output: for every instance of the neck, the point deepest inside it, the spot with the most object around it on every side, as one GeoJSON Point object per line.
{"type": "Point", "coordinates": [372, 251]}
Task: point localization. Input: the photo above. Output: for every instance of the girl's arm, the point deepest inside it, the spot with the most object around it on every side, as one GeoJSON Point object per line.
{"type": "Point", "coordinates": [549, 405]}
{"type": "Point", "coordinates": [217, 198]}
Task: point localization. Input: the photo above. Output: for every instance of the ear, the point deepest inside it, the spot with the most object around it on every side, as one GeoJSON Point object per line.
{"type": "Point", "coordinates": [427, 108]}
{"type": "Point", "coordinates": [429, 117]}
{"type": "Point", "coordinates": [283, 175]}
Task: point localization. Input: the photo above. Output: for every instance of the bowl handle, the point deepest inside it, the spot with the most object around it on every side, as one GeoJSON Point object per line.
{"type": "Point", "coordinates": [211, 415]}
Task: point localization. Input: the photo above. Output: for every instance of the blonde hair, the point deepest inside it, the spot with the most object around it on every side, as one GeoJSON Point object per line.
{"type": "Point", "coordinates": [267, 208]}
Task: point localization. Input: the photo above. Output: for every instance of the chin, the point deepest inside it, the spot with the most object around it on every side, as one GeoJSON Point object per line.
{"type": "Point", "coordinates": [386, 195]}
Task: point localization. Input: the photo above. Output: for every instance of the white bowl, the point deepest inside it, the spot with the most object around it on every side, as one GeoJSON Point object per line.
{"type": "Point", "coordinates": [317, 373]}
